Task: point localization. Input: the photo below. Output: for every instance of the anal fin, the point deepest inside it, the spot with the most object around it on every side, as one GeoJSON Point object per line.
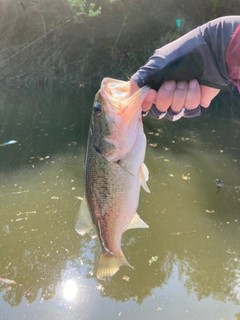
{"type": "Point", "coordinates": [83, 221]}
{"type": "Point", "coordinates": [137, 222]}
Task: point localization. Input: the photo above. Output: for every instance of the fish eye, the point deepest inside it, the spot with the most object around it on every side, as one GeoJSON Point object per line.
{"type": "Point", "coordinates": [97, 109]}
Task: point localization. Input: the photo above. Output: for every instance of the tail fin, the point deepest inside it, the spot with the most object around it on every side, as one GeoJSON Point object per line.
{"type": "Point", "coordinates": [109, 265]}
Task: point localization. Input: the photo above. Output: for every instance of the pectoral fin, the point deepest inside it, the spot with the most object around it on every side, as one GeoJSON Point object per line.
{"type": "Point", "coordinates": [137, 222]}
{"type": "Point", "coordinates": [143, 177]}
{"type": "Point", "coordinates": [124, 167]}
{"type": "Point", "coordinates": [83, 221]}
{"type": "Point", "coordinates": [109, 265]}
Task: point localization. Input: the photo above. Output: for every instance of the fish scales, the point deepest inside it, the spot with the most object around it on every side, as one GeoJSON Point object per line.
{"type": "Point", "coordinates": [114, 171]}
{"type": "Point", "coordinates": [109, 194]}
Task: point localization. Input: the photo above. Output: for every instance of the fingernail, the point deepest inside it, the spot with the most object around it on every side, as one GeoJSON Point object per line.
{"type": "Point", "coordinates": [181, 85]}
{"type": "Point", "coordinates": [169, 85]}
{"type": "Point", "coordinates": [193, 84]}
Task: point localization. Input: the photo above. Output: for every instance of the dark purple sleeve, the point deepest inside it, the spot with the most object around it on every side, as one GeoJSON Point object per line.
{"type": "Point", "coordinates": [209, 53]}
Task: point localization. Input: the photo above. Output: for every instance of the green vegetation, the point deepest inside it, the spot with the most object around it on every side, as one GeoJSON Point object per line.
{"type": "Point", "coordinates": [82, 8]}
{"type": "Point", "coordinates": [81, 41]}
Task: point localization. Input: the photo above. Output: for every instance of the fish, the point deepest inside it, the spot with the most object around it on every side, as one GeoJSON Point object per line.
{"type": "Point", "coordinates": [114, 171]}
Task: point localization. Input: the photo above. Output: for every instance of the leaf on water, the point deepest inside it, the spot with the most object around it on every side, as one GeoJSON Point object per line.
{"type": "Point", "coordinates": [171, 175]}
{"type": "Point", "coordinates": [166, 160]}
{"type": "Point", "coordinates": [153, 259]}
{"type": "Point", "coordinates": [125, 278]}
{"type": "Point", "coordinates": [7, 281]}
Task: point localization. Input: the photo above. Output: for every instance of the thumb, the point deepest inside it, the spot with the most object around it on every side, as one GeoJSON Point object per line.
{"type": "Point", "coordinates": [207, 94]}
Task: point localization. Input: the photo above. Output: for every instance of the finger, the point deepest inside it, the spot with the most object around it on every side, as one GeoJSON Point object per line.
{"type": "Point", "coordinates": [149, 100]}
{"type": "Point", "coordinates": [133, 87]}
{"type": "Point", "coordinates": [207, 94]}
{"type": "Point", "coordinates": [165, 95]}
{"type": "Point", "coordinates": [150, 97]}
{"type": "Point", "coordinates": [193, 96]}
{"type": "Point", "coordinates": [179, 96]}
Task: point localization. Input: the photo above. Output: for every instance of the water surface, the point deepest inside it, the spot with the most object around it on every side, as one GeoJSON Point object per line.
{"type": "Point", "coordinates": [186, 264]}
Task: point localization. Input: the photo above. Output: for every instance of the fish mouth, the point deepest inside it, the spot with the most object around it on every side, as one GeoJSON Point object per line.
{"type": "Point", "coordinates": [116, 94]}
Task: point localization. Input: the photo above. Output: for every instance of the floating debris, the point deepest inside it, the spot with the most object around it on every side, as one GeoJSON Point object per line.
{"type": "Point", "coordinates": [125, 278]}
{"type": "Point", "coordinates": [210, 211]}
{"type": "Point", "coordinates": [7, 281]}
{"type": "Point", "coordinates": [183, 232]}
{"type": "Point", "coordinates": [153, 145]}
{"type": "Point", "coordinates": [218, 184]}
{"type": "Point", "coordinates": [153, 259]}
{"type": "Point", "coordinates": [100, 287]}
{"type": "Point", "coordinates": [8, 143]}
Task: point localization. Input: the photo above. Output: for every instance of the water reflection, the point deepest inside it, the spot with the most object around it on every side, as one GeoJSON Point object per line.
{"type": "Point", "coordinates": [193, 234]}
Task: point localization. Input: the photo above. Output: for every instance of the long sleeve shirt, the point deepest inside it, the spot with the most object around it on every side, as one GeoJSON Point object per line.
{"type": "Point", "coordinates": [209, 53]}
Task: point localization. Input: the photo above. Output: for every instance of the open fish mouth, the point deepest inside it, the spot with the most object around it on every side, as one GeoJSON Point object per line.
{"type": "Point", "coordinates": [116, 95]}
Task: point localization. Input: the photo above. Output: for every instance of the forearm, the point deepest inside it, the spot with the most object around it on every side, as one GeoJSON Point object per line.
{"type": "Point", "coordinates": [201, 54]}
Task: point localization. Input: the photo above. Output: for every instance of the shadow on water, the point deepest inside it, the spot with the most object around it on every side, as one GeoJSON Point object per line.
{"type": "Point", "coordinates": [193, 229]}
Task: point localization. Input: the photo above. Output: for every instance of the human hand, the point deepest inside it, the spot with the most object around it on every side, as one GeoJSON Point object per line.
{"type": "Point", "coordinates": [177, 95]}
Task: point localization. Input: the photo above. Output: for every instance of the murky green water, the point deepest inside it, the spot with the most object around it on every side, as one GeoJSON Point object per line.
{"type": "Point", "coordinates": [186, 264]}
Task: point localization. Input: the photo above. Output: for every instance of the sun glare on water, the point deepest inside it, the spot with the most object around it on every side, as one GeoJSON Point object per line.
{"type": "Point", "coordinates": [70, 290]}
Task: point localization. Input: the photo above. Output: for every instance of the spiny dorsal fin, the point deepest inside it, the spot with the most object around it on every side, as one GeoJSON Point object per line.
{"type": "Point", "coordinates": [137, 222]}
{"type": "Point", "coordinates": [83, 221]}
{"type": "Point", "coordinates": [143, 177]}
{"type": "Point", "coordinates": [109, 265]}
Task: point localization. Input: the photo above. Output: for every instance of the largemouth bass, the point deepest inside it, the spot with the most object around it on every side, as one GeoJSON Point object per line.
{"type": "Point", "coordinates": [113, 171]}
